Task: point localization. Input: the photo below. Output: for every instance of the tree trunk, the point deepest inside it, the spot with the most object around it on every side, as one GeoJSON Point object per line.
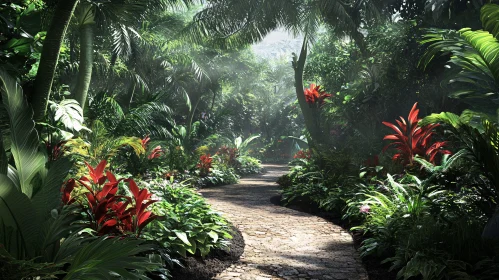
{"type": "Point", "coordinates": [86, 62]}
{"type": "Point", "coordinates": [50, 56]}
{"type": "Point", "coordinates": [309, 114]}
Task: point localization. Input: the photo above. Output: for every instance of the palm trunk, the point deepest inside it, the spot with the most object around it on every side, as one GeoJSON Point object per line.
{"type": "Point", "coordinates": [86, 61]}
{"type": "Point", "coordinates": [309, 114]}
{"type": "Point", "coordinates": [50, 56]}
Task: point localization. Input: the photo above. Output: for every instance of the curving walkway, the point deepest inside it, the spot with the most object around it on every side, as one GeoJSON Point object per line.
{"type": "Point", "coordinates": [282, 243]}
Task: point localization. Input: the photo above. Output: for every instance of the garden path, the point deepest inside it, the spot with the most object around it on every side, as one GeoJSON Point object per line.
{"type": "Point", "coordinates": [282, 243]}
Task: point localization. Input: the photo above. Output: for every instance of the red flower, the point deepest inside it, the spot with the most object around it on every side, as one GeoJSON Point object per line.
{"type": "Point", "coordinates": [312, 94]}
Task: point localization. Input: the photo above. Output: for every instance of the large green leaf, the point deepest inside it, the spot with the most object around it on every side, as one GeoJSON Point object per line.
{"type": "Point", "coordinates": [475, 54]}
{"type": "Point", "coordinates": [69, 113]}
{"type": "Point", "coordinates": [105, 258]}
{"type": "Point", "coordinates": [25, 141]}
{"type": "Point", "coordinates": [49, 196]}
{"type": "Point", "coordinates": [17, 213]}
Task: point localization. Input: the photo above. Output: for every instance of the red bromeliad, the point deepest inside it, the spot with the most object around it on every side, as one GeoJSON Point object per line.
{"type": "Point", "coordinates": [204, 164]}
{"type": "Point", "coordinates": [108, 212]}
{"type": "Point", "coordinates": [315, 94]}
{"type": "Point", "coordinates": [411, 140]}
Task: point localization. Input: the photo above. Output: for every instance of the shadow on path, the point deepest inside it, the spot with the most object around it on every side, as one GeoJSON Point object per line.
{"type": "Point", "coordinates": [282, 243]}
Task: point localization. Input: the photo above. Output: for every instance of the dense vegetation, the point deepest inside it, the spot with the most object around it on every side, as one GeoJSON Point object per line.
{"type": "Point", "coordinates": [114, 112]}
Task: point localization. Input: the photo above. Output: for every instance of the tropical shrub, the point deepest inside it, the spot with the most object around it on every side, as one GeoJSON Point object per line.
{"type": "Point", "coordinates": [106, 211]}
{"type": "Point", "coordinates": [421, 229]}
{"type": "Point", "coordinates": [411, 140]}
{"type": "Point", "coordinates": [39, 238]}
{"type": "Point", "coordinates": [205, 165]}
{"type": "Point", "coordinates": [248, 165]}
{"type": "Point", "coordinates": [187, 224]}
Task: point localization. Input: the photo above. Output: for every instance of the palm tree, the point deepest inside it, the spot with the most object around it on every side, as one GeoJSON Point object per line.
{"type": "Point", "coordinates": [119, 19]}
{"type": "Point", "coordinates": [50, 56]}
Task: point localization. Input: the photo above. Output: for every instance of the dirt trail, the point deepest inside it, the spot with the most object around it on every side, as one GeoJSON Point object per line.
{"type": "Point", "coordinates": [282, 243]}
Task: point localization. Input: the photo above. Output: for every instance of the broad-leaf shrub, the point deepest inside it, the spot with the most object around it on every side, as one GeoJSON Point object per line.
{"type": "Point", "coordinates": [248, 165]}
{"type": "Point", "coordinates": [421, 229]}
{"type": "Point", "coordinates": [187, 225]}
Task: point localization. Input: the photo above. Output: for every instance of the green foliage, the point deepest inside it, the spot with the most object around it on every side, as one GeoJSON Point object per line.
{"type": "Point", "coordinates": [106, 258]}
{"type": "Point", "coordinates": [69, 113]}
{"type": "Point", "coordinates": [248, 165]}
{"type": "Point", "coordinates": [188, 224]}
{"type": "Point", "coordinates": [30, 189]}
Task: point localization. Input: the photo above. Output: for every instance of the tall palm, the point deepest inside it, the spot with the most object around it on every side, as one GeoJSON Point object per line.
{"type": "Point", "coordinates": [232, 23]}
{"type": "Point", "coordinates": [119, 18]}
{"type": "Point", "coordinates": [50, 56]}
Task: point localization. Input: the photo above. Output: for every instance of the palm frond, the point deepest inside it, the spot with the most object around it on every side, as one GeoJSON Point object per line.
{"type": "Point", "coordinates": [490, 18]}
{"type": "Point", "coordinates": [476, 55]}
{"type": "Point", "coordinates": [152, 118]}
{"type": "Point", "coordinates": [106, 258]}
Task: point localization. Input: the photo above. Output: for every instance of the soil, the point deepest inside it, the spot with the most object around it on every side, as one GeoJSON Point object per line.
{"type": "Point", "coordinates": [373, 266]}
{"type": "Point", "coordinates": [197, 268]}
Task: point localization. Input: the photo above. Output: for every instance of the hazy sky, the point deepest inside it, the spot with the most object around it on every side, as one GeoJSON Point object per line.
{"type": "Point", "coordinates": [277, 43]}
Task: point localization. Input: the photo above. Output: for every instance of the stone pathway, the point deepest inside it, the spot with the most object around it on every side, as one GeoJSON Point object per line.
{"type": "Point", "coordinates": [282, 243]}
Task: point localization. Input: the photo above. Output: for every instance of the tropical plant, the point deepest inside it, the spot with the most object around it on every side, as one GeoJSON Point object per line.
{"type": "Point", "coordinates": [187, 225]}
{"type": "Point", "coordinates": [315, 94]}
{"type": "Point", "coordinates": [231, 23]}
{"type": "Point", "coordinates": [474, 54]}
{"type": "Point", "coordinates": [204, 165]}
{"type": "Point", "coordinates": [411, 140]}
{"type": "Point", "coordinates": [50, 56]}
{"type": "Point", "coordinates": [29, 187]}
{"type": "Point", "coordinates": [107, 212]}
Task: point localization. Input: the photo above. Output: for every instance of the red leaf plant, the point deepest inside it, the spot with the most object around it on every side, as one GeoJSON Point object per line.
{"type": "Point", "coordinates": [304, 154]}
{"type": "Point", "coordinates": [411, 140]}
{"type": "Point", "coordinates": [204, 164]}
{"type": "Point", "coordinates": [109, 213]}
{"type": "Point", "coordinates": [155, 153]}
{"type": "Point", "coordinates": [229, 155]}
{"type": "Point", "coordinates": [315, 94]}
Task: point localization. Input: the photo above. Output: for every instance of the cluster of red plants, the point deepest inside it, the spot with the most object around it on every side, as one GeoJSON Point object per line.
{"type": "Point", "coordinates": [411, 140]}
{"type": "Point", "coordinates": [155, 153]}
{"type": "Point", "coordinates": [204, 164]}
{"type": "Point", "coordinates": [315, 94]}
{"type": "Point", "coordinates": [304, 154]}
{"type": "Point", "coordinates": [108, 212]}
{"type": "Point", "coordinates": [228, 155]}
